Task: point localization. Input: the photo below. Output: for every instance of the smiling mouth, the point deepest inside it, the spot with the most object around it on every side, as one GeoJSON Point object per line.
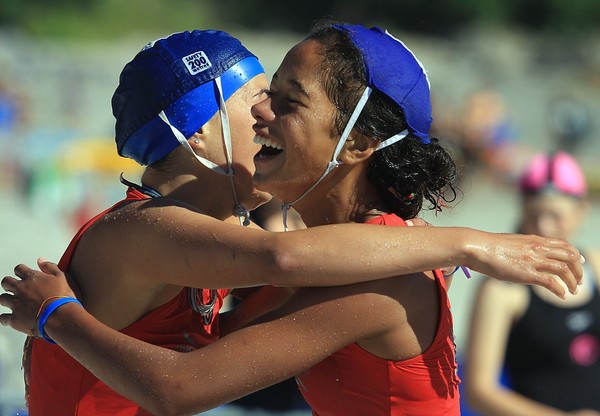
{"type": "Point", "coordinates": [269, 148]}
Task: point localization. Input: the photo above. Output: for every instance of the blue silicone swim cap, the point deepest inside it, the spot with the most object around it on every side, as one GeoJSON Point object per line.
{"type": "Point", "coordinates": [175, 75]}
{"type": "Point", "coordinates": [394, 70]}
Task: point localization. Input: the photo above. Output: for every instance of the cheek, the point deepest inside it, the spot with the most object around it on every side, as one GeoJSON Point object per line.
{"type": "Point", "coordinates": [241, 122]}
{"type": "Point", "coordinates": [309, 130]}
{"type": "Point", "coordinates": [242, 133]}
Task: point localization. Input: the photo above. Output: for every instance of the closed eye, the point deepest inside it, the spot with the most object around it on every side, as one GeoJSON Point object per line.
{"type": "Point", "coordinates": [261, 92]}
{"type": "Point", "coordinates": [288, 99]}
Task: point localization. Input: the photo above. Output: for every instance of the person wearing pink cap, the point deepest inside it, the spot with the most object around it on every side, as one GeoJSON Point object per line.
{"type": "Point", "coordinates": [550, 350]}
{"type": "Point", "coordinates": [350, 145]}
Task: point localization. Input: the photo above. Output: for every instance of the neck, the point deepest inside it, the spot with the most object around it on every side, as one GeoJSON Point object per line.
{"type": "Point", "coordinates": [204, 190]}
{"type": "Point", "coordinates": [345, 197]}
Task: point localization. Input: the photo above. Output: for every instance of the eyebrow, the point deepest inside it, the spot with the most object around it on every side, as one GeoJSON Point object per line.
{"type": "Point", "coordinates": [296, 84]}
{"type": "Point", "coordinates": [299, 86]}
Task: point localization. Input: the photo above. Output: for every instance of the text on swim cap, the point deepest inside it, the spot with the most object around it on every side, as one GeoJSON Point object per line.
{"type": "Point", "coordinates": [196, 62]}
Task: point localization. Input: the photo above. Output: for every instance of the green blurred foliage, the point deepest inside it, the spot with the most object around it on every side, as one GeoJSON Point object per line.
{"type": "Point", "coordinates": [113, 18]}
{"type": "Point", "coordinates": [105, 18]}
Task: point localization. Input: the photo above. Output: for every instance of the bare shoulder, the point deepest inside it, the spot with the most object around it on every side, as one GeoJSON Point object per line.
{"type": "Point", "coordinates": [151, 219]}
{"type": "Point", "coordinates": [151, 210]}
{"type": "Point", "coordinates": [130, 239]}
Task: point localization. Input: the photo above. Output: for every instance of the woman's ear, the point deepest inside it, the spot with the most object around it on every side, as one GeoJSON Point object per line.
{"type": "Point", "coordinates": [198, 141]}
{"type": "Point", "coordinates": [207, 134]}
{"type": "Point", "coordinates": [358, 148]}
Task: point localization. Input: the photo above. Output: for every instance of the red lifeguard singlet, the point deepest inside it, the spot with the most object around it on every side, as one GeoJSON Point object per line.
{"type": "Point", "coordinates": [354, 382]}
{"type": "Point", "coordinates": [58, 385]}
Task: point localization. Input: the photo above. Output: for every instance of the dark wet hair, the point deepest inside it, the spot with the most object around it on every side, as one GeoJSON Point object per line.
{"type": "Point", "coordinates": [407, 172]}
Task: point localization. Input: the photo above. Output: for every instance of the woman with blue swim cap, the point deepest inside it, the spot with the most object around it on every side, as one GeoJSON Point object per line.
{"type": "Point", "coordinates": [175, 239]}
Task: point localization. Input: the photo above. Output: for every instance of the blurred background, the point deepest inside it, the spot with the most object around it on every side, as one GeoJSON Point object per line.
{"type": "Point", "coordinates": [509, 78]}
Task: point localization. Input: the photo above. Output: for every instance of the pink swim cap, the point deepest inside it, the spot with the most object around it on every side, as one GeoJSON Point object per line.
{"type": "Point", "coordinates": [557, 172]}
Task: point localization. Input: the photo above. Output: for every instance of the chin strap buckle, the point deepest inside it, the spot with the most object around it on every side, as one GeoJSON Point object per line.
{"type": "Point", "coordinates": [242, 214]}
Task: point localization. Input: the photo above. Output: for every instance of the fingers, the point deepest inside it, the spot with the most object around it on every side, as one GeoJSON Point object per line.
{"type": "Point", "coordinates": [5, 319]}
{"type": "Point", "coordinates": [6, 300]}
{"type": "Point", "coordinates": [563, 272]}
{"type": "Point", "coordinates": [419, 222]}
{"type": "Point", "coordinates": [566, 263]}
{"type": "Point", "coordinates": [23, 271]}
{"type": "Point", "coordinates": [48, 267]}
{"type": "Point", "coordinates": [9, 284]}
{"type": "Point", "coordinates": [550, 283]}
{"type": "Point", "coordinates": [560, 259]}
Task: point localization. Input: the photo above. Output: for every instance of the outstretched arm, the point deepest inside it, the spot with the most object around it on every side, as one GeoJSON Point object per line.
{"type": "Point", "coordinates": [313, 325]}
{"type": "Point", "coordinates": [227, 255]}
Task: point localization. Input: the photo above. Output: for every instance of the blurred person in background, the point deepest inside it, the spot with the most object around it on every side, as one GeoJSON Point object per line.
{"type": "Point", "coordinates": [488, 135]}
{"type": "Point", "coordinates": [568, 122]}
{"type": "Point", "coordinates": [549, 350]}
{"type": "Point", "coordinates": [482, 135]}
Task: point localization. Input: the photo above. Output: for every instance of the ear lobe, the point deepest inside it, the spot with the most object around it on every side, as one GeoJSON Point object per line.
{"type": "Point", "coordinates": [197, 141]}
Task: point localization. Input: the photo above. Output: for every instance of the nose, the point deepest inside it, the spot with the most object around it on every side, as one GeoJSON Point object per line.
{"type": "Point", "coordinates": [262, 110]}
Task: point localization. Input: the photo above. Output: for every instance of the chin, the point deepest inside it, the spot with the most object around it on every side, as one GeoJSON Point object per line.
{"type": "Point", "coordinates": [257, 199]}
{"type": "Point", "coordinates": [260, 182]}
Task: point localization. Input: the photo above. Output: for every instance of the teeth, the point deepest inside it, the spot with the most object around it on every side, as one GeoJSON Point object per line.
{"type": "Point", "coordinates": [267, 142]}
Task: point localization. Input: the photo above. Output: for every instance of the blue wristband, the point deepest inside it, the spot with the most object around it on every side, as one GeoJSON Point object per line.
{"type": "Point", "coordinates": [54, 305]}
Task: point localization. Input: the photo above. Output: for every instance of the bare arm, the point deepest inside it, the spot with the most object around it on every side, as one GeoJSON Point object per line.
{"type": "Point", "coordinates": [227, 255]}
{"type": "Point", "coordinates": [313, 326]}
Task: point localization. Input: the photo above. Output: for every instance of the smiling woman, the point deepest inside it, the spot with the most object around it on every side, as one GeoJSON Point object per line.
{"type": "Point", "coordinates": [350, 118]}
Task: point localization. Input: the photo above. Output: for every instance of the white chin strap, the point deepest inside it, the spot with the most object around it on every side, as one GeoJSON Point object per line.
{"type": "Point", "coordinates": [334, 163]}
{"type": "Point", "coordinates": [239, 211]}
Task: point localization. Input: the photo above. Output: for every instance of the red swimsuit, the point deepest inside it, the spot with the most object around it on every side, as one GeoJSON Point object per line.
{"type": "Point", "coordinates": [353, 382]}
{"type": "Point", "coordinates": [59, 385]}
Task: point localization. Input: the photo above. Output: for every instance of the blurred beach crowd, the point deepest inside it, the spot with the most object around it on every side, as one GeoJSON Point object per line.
{"type": "Point", "coordinates": [499, 97]}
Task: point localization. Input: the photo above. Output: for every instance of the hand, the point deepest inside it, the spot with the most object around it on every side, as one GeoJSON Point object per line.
{"type": "Point", "coordinates": [529, 259]}
{"type": "Point", "coordinates": [418, 222]}
{"type": "Point", "coordinates": [25, 296]}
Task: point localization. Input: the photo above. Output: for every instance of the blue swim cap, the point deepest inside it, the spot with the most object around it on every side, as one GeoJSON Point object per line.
{"type": "Point", "coordinates": [394, 70]}
{"type": "Point", "coordinates": [175, 75]}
